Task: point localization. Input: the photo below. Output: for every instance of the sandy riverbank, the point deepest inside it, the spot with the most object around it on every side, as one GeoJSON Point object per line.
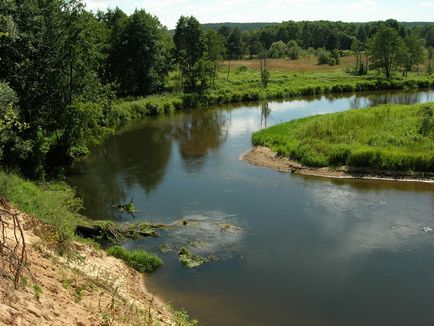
{"type": "Point", "coordinates": [265, 157]}
{"type": "Point", "coordinates": [86, 288]}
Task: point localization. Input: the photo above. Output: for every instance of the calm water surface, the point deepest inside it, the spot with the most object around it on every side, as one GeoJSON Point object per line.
{"type": "Point", "coordinates": [309, 251]}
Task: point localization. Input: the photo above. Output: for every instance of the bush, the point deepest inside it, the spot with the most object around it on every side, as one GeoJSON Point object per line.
{"type": "Point", "coordinates": [332, 62]}
{"type": "Point", "coordinates": [294, 50]}
{"type": "Point", "coordinates": [140, 260]}
{"type": "Point", "coordinates": [323, 56]}
{"type": "Point", "coordinates": [278, 50]}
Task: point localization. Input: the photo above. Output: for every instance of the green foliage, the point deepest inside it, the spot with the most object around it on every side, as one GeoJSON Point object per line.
{"type": "Point", "coordinates": [386, 50]}
{"type": "Point", "coordinates": [54, 62]}
{"type": "Point", "coordinates": [181, 318]}
{"type": "Point", "coordinates": [215, 51]}
{"type": "Point", "coordinates": [430, 65]}
{"type": "Point", "coordinates": [414, 53]}
{"type": "Point", "coordinates": [294, 50]}
{"type": "Point", "coordinates": [234, 45]}
{"type": "Point", "coordinates": [427, 121]}
{"type": "Point", "coordinates": [324, 56]}
{"type": "Point", "coordinates": [336, 56]}
{"type": "Point", "coordinates": [139, 53]}
{"type": "Point", "coordinates": [189, 53]}
{"type": "Point", "coordinates": [278, 50]}
{"type": "Point", "coordinates": [54, 204]}
{"type": "Point", "coordinates": [391, 137]}
{"type": "Point", "coordinates": [11, 127]}
{"type": "Point", "coordinates": [140, 260]}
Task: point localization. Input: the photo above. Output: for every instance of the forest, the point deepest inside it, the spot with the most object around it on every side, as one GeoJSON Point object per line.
{"type": "Point", "coordinates": [68, 76]}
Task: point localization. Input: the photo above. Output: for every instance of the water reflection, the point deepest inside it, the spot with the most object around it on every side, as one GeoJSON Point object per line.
{"type": "Point", "coordinates": [265, 112]}
{"type": "Point", "coordinates": [360, 101]}
{"type": "Point", "coordinates": [198, 133]}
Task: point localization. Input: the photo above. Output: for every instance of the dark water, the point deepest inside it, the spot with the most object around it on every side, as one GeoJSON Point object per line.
{"type": "Point", "coordinates": [307, 251]}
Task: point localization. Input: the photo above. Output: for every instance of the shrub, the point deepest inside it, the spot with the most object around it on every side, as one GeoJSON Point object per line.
{"type": "Point", "coordinates": [323, 56]}
{"type": "Point", "coordinates": [294, 50]}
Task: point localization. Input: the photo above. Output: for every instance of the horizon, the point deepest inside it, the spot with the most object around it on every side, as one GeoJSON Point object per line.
{"type": "Point", "coordinates": [357, 11]}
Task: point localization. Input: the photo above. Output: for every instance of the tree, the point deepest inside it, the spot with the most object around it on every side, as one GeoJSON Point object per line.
{"type": "Point", "coordinates": [139, 55]}
{"type": "Point", "coordinates": [278, 50]}
{"type": "Point", "coordinates": [54, 60]}
{"type": "Point", "coordinates": [234, 48]}
{"type": "Point", "coordinates": [430, 56]}
{"type": "Point", "coordinates": [323, 56]}
{"type": "Point", "coordinates": [414, 53]}
{"type": "Point", "coordinates": [386, 49]}
{"type": "Point", "coordinates": [336, 56]}
{"type": "Point", "coordinates": [264, 71]}
{"type": "Point", "coordinates": [358, 47]}
{"type": "Point", "coordinates": [215, 50]}
{"type": "Point", "coordinates": [189, 53]}
{"type": "Point", "coordinates": [253, 43]}
{"type": "Point", "coordinates": [294, 50]}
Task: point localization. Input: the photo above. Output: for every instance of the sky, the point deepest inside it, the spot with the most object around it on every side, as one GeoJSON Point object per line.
{"type": "Point", "coordinates": [217, 11]}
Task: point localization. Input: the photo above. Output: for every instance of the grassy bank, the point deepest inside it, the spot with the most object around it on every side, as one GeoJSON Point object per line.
{"type": "Point", "coordinates": [287, 80]}
{"type": "Point", "coordinates": [390, 137]}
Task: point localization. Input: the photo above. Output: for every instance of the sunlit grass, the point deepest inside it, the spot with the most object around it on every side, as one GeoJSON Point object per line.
{"type": "Point", "coordinates": [390, 137]}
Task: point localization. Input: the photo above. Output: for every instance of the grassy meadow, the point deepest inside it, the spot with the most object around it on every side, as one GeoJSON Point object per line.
{"type": "Point", "coordinates": [389, 137]}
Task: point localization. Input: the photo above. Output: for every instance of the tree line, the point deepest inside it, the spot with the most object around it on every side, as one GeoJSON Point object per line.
{"type": "Point", "coordinates": [61, 68]}
{"type": "Point", "coordinates": [319, 34]}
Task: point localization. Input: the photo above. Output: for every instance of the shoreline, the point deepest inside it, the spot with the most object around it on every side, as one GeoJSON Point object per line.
{"type": "Point", "coordinates": [264, 157]}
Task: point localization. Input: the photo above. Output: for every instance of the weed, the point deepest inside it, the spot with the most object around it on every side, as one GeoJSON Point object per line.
{"type": "Point", "coordinates": [37, 291]}
{"type": "Point", "coordinates": [24, 281]}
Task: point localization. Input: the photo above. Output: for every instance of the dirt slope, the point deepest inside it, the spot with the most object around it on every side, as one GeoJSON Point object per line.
{"type": "Point", "coordinates": [85, 288]}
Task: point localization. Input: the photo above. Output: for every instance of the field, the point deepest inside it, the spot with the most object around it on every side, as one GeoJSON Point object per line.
{"type": "Point", "coordinates": [390, 137]}
{"type": "Point", "coordinates": [304, 64]}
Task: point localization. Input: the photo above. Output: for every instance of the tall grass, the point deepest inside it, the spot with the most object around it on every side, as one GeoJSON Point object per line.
{"type": "Point", "coordinates": [389, 137]}
{"type": "Point", "coordinates": [52, 203]}
{"type": "Point", "coordinates": [140, 260]}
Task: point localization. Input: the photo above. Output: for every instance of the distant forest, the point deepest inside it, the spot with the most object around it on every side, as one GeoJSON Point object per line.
{"type": "Point", "coordinates": [316, 34]}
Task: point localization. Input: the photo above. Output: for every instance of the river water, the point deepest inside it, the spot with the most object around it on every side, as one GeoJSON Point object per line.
{"type": "Point", "coordinates": [302, 250]}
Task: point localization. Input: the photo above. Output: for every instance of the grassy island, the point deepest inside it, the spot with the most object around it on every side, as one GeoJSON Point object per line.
{"type": "Point", "coordinates": [389, 137]}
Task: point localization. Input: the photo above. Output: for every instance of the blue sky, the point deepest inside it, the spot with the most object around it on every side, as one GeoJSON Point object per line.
{"type": "Point", "coordinates": [213, 11]}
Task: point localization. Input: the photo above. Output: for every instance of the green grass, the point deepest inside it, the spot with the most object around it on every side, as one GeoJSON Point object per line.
{"type": "Point", "coordinates": [140, 260]}
{"type": "Point", "coordinates": [389, 137]}
{"type": "Point", "coordinates": [52, 203]}
{"type": "Point", "coordinates": [244, 85]}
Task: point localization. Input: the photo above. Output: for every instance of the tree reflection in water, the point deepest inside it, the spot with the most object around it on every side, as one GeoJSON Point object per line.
{"type": "Point", "coordinates": [198, 133]}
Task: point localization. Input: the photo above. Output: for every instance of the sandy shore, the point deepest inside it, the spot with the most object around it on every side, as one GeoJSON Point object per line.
{"type": "Point", "coordinates": [86, 288]}
{"type": "Point", "coordinates": [265, 157]}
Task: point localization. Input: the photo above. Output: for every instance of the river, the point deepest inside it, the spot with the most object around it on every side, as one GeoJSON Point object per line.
{"type": "Point", "coordinates": [307, 251]}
